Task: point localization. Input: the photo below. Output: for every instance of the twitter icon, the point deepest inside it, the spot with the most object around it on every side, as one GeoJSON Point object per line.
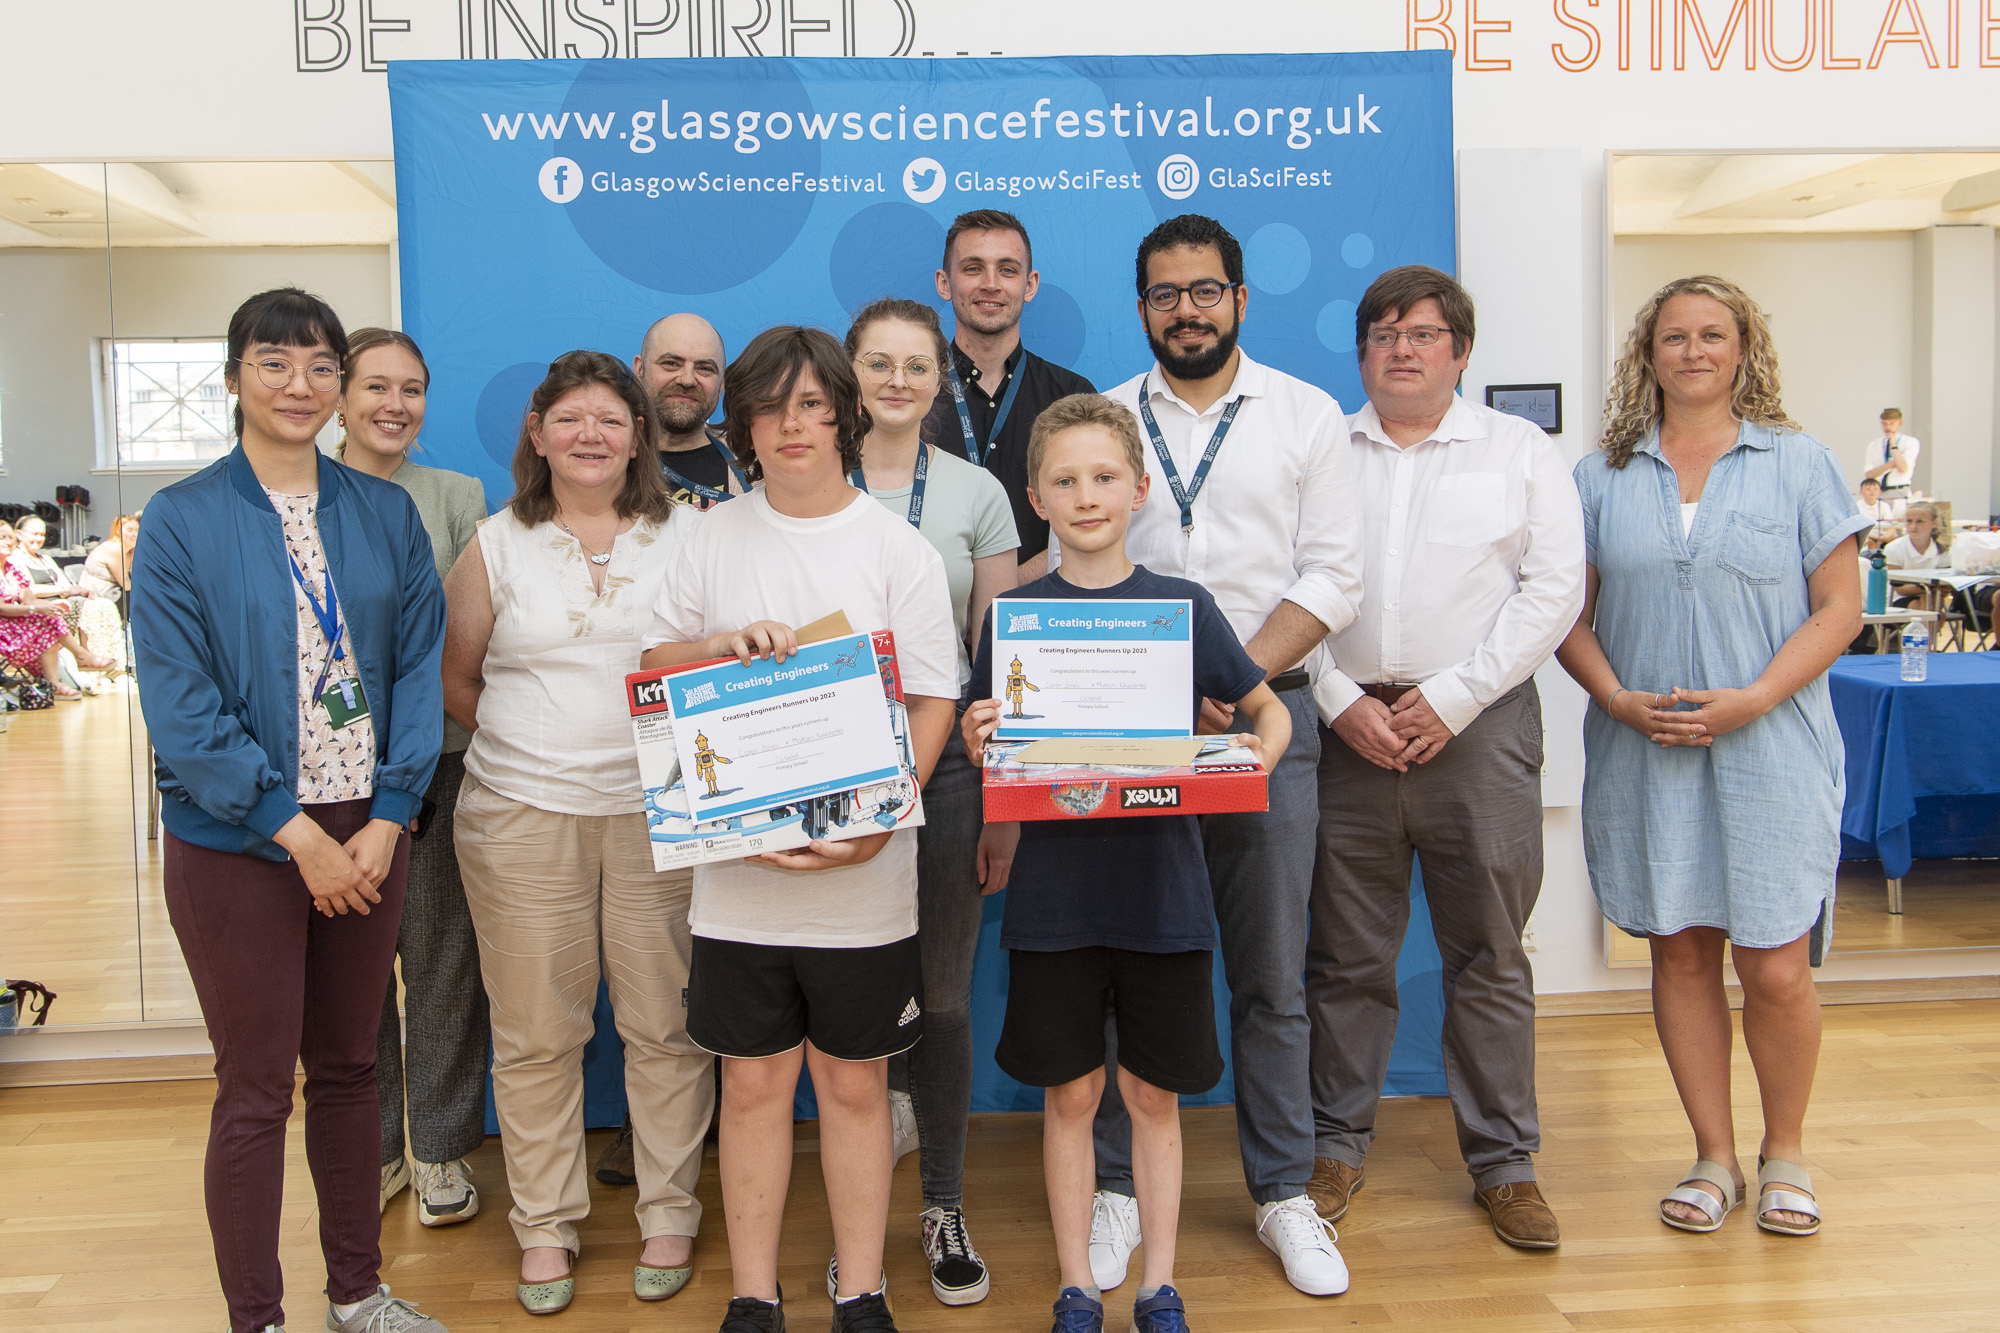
{"type": "Point", "coordinates": [923, 179]}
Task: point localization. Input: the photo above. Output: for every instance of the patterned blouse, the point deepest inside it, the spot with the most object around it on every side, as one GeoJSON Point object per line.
{"type": "Point", "coordinates": [334, 765]}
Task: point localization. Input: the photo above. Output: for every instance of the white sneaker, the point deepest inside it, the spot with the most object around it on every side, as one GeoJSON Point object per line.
{"type": "Point", "coordinates": [382, 1313]}
{"type": "Point", "coordinates": [903, 1115]}
{"type": "Point", "coordinates": [1114, 1234]}
{"type": "Point", "coordinates": [1293, 1230]}
{"type": "Point", "coordinates": [395, 1179]}
{"type": "Point", "coordinates": [445, 1194]}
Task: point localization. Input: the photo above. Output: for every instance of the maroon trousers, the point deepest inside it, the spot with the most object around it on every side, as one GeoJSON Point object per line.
{"type": "Point", "coordinates": [280, 984]}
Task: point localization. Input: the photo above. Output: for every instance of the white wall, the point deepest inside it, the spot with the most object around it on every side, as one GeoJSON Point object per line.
{"type": "Point", "coordinates": [1841, 311]}
{"type": "Point", "coordinates": [56, 304]}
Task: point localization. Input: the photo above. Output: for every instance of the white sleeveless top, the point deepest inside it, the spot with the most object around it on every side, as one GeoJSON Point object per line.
{"type": "Point", "coordinates": [554, 730]}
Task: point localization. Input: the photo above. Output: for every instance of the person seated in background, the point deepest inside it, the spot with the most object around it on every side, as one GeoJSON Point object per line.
{"type": "Point", "coordinates": [87, 617]}
{"type": "Point", "coordinates": [31, 637]}
{"type": "Point", "coordinates": [1917, 548]}
{"type": "Point", "coordinates": [1876, 510]}
{"type": "Point", "coordinates": [107, 571]}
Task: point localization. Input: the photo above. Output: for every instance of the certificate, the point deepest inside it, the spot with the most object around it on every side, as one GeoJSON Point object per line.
{"type": "Point", "coordinates": [753, 737]}
{"type": "Point", "coordinates": [1093, 668]}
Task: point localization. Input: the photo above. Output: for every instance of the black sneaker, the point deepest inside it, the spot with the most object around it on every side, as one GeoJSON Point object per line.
{"type": "Point", "coordinates": [747, 1314]}
{"type": "Point", "coordinates": [863, 1314]}
{"type": "Point", "coordinates": [958, 1274]}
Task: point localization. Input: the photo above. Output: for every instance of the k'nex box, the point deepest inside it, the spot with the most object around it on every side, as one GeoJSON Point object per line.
{"type": "Point", "coordinates": [1222, 777]}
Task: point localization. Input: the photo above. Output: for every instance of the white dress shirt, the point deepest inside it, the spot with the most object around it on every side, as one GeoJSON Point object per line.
{"type": "Point", "coordinates": [1472, 543]}
{"type": "Point", "coordinates": [1275, 520]}
{"type": "Point", "coordinates": [1908, 446]}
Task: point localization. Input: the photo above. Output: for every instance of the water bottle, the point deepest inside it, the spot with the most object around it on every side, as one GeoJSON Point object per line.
{"type": "Point", "coordinates": [1878, 583]}
{"type": "Point", "coordinates": [1916, 651]}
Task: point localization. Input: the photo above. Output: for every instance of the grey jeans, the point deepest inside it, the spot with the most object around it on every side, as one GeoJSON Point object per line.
{"type": "Point", "coordinates": [1473, 817]}
{"type": "Point", "coordinates": [1260, 871]}
{"type": "Point", "coordinates": [443, 1066]}
{"type": "Point", "coordinates": [939, 1067]}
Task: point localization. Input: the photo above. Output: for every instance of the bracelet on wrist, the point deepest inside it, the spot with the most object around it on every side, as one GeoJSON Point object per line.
{"type": "Point", "coordinates": [1614, 698]}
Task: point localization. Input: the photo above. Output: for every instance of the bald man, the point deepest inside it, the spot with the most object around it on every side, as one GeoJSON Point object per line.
{"type": "Point", "coordinates": [680, 367]}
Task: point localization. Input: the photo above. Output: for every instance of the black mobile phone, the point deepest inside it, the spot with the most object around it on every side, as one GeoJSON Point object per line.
{"type": "Point", "coordinates": [425, 813]}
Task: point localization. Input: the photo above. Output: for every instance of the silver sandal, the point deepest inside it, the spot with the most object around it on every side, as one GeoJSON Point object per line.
{"type": "Point", "coordinates": [1785, 1200]}
{"type": "Point", "coordinates": [1714, 1208]}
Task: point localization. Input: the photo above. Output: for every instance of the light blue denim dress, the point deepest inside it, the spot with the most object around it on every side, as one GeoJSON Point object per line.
{"type": "Point", "coordinates": [1742, 835]}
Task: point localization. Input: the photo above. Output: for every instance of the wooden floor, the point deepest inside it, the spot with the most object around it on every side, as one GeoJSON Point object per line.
{"type": "Point", "coordinates": [100, 1188]}
{"type": "Point", "coordinates": [1946, 905]}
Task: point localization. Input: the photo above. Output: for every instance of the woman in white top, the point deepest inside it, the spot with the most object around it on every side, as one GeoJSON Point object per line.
{"type": "Point", "coordinates": [899, 353]}
{"type": "Point", "coordinates": [547, 608]}
{"type": "Point", "coordinates": [1917, 548]}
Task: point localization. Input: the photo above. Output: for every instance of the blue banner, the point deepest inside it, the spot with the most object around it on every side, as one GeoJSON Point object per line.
{"type": "Point", "coordinates": [548, 205]}
{"type": "Point", "coordinates": [1022, 618]}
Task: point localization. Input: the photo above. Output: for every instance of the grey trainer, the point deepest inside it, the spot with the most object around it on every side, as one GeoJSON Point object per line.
{"type": "Point", "coordinates": [383, 1313]}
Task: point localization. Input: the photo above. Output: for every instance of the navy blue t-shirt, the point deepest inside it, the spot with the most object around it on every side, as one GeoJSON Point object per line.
{"type": "Point", "coordinates": [1140, 882]}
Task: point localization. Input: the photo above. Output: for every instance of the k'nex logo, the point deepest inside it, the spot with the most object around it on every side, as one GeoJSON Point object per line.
{"type": "Point", "coordinates": [649, 694]}
{"type": "Point", "coordinates": [1149, 798]}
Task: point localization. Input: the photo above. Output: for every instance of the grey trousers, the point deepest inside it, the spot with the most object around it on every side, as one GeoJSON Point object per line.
{"type": "Point", "coordinates": [442, 1070]}
{"type": "Point", "coordinates": [1473, 815]}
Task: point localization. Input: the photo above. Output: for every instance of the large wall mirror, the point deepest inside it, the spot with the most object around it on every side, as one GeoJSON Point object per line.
{"type": "Point", "coordinates": [1878, 273]}
{"type": "Point", "coordinates": [116, 285]}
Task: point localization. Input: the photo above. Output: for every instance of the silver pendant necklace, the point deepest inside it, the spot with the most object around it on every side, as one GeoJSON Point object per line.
{"type": "Point", "coordinates": [595, 558]}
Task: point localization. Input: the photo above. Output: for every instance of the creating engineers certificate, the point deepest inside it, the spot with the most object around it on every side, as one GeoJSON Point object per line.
{"type": "Point", "coordinates": [750, 738]}
{"type": "Point", "coordinates": [1076, 667]}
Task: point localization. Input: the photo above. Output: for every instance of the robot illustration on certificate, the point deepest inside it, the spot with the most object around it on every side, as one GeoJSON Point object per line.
{"type": "Point", "coordinates": [705, 760]}
{"type": "Point", "coordinates": [1017, 681]}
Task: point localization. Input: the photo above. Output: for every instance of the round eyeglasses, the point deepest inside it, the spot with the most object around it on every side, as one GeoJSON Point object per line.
{"type": "Point", "coordinates": [276, 373]}
{"type": "Point", "coordinates": [1206, 293]}
{"type": "Point", "coordinates": [877, 367]}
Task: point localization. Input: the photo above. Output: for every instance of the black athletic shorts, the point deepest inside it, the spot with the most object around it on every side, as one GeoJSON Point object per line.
{"type": "Point", "coordinates": [1056, 1002]}
{"type": "Point", "coordinates": [756, 1000]}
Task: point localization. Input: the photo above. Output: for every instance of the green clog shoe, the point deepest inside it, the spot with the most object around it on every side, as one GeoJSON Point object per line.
{"type": "Point", "coordinates": [656, 1284]}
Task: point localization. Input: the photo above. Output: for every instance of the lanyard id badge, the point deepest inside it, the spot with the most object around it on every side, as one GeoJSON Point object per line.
{"type": "Point", "coordinates": [1183, 495]}
{"type": "Point", "coordinates": [973, 452]}
{"type": "Point", "coordinates": [917, 483]}
{"type": "Point", "coordinates": [345, 702]}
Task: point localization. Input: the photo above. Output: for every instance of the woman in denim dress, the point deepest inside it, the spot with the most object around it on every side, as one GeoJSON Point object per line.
{"type": "Point", "coordinates": [1722, 582]}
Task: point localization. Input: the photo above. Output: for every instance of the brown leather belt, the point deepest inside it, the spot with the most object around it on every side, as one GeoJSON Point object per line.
{"type": "Point", "coordinates": [1388, 694]}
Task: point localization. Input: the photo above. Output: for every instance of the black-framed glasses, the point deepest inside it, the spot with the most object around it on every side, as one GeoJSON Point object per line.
{"type": "Point", "coordinates": [276, 373]}
{"type": "Point", "coordinates": [1424, 335]}
{"type": "Point", "coordinates": [1206, 293]}
{"type": "Point", "coordinates": [880, 368]}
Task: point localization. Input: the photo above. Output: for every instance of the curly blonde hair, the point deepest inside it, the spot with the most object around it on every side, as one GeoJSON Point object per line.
{"type": "Point", "coordinates": [1633, 403]}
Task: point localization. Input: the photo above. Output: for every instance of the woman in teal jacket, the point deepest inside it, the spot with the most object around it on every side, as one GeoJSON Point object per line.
{"type": "Point", "coordinates": [287, 622]}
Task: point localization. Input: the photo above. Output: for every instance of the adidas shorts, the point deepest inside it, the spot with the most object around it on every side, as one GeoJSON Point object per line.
{"type": "Point", "coordinates": [755, 1000]}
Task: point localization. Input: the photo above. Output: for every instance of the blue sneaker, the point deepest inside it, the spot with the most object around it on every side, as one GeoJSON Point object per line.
{"type": "Point", "coordinates": [1077, 1313]}
{"type": "Point", "coordinates": [1162, 1312]}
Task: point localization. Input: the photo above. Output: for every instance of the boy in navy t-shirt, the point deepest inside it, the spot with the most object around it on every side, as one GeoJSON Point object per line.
{"type": "Point", "coordinates": [1111, 912]}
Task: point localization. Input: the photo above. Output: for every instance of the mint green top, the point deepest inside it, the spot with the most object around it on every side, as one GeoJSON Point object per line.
{"type": "Point", "coordinates": [451, 505]}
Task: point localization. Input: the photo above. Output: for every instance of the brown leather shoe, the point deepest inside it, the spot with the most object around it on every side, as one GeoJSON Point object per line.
{"type": "Point", "coordinates": [1333, 1184]}
{"type": "Point", "coordinates": [1520, 1216]}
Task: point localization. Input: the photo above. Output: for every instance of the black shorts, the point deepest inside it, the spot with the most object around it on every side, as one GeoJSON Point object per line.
{"type": "Point", "coordinates": [1165, 1007]}
{"type": "Point", "coordinates": [757, 1000]}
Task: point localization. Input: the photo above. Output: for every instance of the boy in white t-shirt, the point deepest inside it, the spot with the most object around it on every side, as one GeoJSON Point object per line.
{"type": "Point", "coordinates": [809, 954]}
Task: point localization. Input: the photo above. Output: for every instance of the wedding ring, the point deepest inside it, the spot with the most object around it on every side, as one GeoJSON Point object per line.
{"type": "Point", "coordinates": [1421, 740]}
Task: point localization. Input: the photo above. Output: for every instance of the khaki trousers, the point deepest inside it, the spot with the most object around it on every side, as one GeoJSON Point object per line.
{"type": "Point", "coordinates": [547, 893]}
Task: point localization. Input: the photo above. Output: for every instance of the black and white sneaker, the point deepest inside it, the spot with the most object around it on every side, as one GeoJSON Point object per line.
{"type": "Point", "coordinates": [958, 1274]}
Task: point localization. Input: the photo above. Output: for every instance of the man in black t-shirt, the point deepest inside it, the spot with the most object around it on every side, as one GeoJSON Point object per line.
{"type": "Point", "coordinates": [989, 277]}
{"type": "Point", "coordinates": [680, 367]}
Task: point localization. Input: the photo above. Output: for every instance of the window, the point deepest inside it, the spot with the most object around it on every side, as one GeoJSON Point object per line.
{"type": "Point", "coordinates": [169, 405]}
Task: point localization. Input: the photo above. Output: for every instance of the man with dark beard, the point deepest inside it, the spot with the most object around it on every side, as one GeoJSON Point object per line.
{"type": "Point", "coordinates": [680, 367]}
{"type": "Point", "coordinates": [995, 387]}
{"type": "Point", "coordinates": [1252, 473]}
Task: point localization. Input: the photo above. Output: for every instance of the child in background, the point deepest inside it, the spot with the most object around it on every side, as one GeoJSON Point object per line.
{"type": "Point", "coordinates": [1917, 548]}
{"type": "Point", "coordinates": [808, 955]}
{"type": "Point", "coordinates": [1116, 912]}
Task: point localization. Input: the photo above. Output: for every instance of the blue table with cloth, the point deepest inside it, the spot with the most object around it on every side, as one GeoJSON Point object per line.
{"type": "Point", "coordinates": [1923, 759]}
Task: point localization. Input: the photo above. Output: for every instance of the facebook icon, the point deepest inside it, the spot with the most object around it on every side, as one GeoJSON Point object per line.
{"type": "Point", "coordinates": [561, 180]}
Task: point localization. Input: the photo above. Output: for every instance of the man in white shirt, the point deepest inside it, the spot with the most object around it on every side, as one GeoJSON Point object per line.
{"type": "Point", "coordinates": [1893, 458]}
{"type": "Point", "coordinates": [1252, 498]}
{"type": "Point", "coordinates": [1472, 540]}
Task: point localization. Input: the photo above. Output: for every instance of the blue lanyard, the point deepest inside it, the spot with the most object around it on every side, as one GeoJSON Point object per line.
{"type": "Point", "coordinates": [708, 493]}
{"type": "Point", "coordinates": [1183, 495]}
{"type": "Point", "coordinates": [973, 452]}
{"type": "Point", "coordinates": [328, 616]}
{"type": "Point", "coordinates": [860, 481]}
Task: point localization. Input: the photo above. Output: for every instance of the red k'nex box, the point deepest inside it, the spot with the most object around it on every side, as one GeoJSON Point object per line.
{"type": "Point", "coordinates": [1102, 778]}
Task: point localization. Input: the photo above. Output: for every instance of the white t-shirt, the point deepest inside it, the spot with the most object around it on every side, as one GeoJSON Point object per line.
{"type": "Point", "coordinates": [746, 562]}
{"type": "Point", "coordinates": [1901, 554]}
